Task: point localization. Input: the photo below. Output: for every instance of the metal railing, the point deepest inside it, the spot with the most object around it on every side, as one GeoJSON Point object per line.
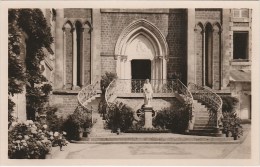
{"type": "Point", "coordinates": [159, 86]}
{"type": "Point", "coordinates": [135, 86]}
{"type": "Point", "coordinates": [86, 93]}
{"type": "Point", "coordinates": [111, 92]}
{"type": "Point", "coordinates": [212, 101]}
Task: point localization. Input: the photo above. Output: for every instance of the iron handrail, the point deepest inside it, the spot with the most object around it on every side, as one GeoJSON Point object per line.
{"type": "Point", "coordinates": [158, 85]}
{"type": "Point", "coordinates": [86, 94]}
{"type": "Point", "coordinates": [211, 99]}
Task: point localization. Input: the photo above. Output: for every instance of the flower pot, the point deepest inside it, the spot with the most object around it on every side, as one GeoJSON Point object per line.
{"type": "Point", "coordinates": [80, 135]}
{"type": "Point", "coordinates": [118, 131]}
{"type": "Point", "coordinates": [48, 156]}
{"type": "Point", "coordinates": [229, 134]}
{"type": "Point", "coordinates": [85, 134]}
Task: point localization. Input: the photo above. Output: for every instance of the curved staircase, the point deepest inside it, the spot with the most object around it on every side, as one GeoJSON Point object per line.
{"type": "Point", "coordinates": [207, 111]}
{"type": "Point", "coordinates": [206, 105]}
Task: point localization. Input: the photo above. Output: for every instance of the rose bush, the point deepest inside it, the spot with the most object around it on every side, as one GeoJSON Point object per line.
{"type": "Point", "coordinates": [58, 139]}
{"type": "Point", "coordinates": [28, 140]}
{"type": "Point", "coordinates": [31, 140]}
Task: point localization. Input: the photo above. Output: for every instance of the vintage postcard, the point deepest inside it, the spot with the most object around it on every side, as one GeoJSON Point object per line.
{"type": "Point", "coordinates": [130, 83]}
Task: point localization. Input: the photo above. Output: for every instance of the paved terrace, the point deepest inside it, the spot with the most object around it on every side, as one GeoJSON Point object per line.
{"type": "Point", "coordinates": [185, 147]}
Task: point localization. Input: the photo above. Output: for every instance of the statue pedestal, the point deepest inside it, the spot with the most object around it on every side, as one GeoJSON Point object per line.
{"type": "Point", "coordinates": [148, 117]}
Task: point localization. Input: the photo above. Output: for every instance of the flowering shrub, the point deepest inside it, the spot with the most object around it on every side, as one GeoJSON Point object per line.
{"type": "Point", "coordinates": [31, 140]}
{"type": "Point", "coordinates": [58, 139]}
{"type": "Point", "coordinates": [232, 123]}
{"type": "Point", "coordinates": [229, 103]}
{"type": "Point", "coordinates": [28, 140]}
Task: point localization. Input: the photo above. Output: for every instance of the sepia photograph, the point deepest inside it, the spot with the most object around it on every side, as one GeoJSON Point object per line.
{"type": "Point", "coordinates": [131, 83]}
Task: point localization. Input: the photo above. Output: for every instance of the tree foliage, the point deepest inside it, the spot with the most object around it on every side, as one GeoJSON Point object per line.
{"type": "Point", "coordinates": [27, 70]}
{"type": "Point", "coordinates": [229, 103]}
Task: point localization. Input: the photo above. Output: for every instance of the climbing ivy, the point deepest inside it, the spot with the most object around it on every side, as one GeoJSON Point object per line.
{"type": "Point", "coordinates": [28, 72]}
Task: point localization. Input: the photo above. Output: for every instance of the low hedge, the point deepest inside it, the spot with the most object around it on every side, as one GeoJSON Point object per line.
{"type": "Point", "coordinates": [175, 120]}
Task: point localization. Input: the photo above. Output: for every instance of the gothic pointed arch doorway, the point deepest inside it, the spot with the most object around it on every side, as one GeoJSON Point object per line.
{"type": "Point", "coordinates": [140, 43]}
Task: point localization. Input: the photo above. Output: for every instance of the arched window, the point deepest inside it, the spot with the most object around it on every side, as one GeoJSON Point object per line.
{"type": "Point", "coordinates": [79, 39]}
{"type": "Point", "coordinates": [208, 56]}
{"type": "Point", "coordinates": [77, 53]}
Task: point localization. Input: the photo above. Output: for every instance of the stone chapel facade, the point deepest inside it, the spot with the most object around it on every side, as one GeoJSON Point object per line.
{"type": "Point", "coordinates": [209, 47]}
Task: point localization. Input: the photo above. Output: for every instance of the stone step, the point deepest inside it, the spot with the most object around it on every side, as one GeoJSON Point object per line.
{"type": "Point", "coordinates": [204, 124]}
{"type": "Point", "coordinates": [202, 121]}
{"type": "Point", "coordinates": [202, 113]}
{"type": "Point", "coordinates": [94, 104]}
{"type": "Point", "coordinates": [203, 116]}
{"type": "Point", "coordinates": [118, 138]}
{"type": "Point", "coordinates": [204, 130]}
{"type": "Point", "coordinates": [199, 105]}
{"type": "Point", "coordinates": [201, 138]}
{"type": "Point", "coordinates": [200, 110]}
{"type": "Point", "coordinates": [205, 133]}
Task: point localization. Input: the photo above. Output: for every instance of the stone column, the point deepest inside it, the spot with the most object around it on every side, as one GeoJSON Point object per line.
{"type": "Point", "coordinates": [96, 45]}
{"type": "Point", "coordinates": [127, 74]}
{"type": "Point", "coordinates": [127, 68]}
{"type": "Point", "coordinates": [226, 50]}
{"type": "Point", "coordinates": [191, 60]}
{"type": "Point", "coordinates": [64, 57]}
{"type": "Point", "coordinates": [122, 68]}
{"type": "Point", "coordinates": [59, 55]}
{"type": "Point", "coordinates": [157, 66]}
{"type": "Point", "coordinates": [161, 71]}
{"type": "Point", "coordinates": [82, 56]}
{"type": "Point", "coordinates": [216, 58]}
{"type": "Point", "coordinates": [118, 66]}
{"type": "Point", "coordinates": [153, 68]}
{"type": "Point", "coordinates": [164, 63]}
{"type": "Point", "coordinates": [204, 58]}
{"type": "Point", "coordinates": [74, 59]}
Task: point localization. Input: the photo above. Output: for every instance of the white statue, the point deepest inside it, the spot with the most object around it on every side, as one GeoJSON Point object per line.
{"type": "Point", "coordinates": [148, 93]}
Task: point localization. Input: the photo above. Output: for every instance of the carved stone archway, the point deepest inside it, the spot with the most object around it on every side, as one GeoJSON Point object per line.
{"type": "Point", "coordinates": [141, 40]}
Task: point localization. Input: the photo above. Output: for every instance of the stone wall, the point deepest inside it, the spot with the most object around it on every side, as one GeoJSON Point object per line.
{"type": "Point", "coordinates": [77, 13]}
{"type": "Point", "coordinates": [208, 15]}
{"type": "Point", "coordinates": [66, 103]}
{"type": "Point", "coordinates": [83, 16]}
{"type": "Point", "coordinates": [112, 25]}
{"type": "Point", "coordinates": [226, 47]}
{"type": "Point", "coordinates": [87, 56]}
{"type": "Point", "coordinates": [177, 43]}
{"type": "Point", "coordinates": [172, 24]}
{"type": "Point", "coordinates": [213, 17]}
{"type": "Point", "coordinates": [108, 64]}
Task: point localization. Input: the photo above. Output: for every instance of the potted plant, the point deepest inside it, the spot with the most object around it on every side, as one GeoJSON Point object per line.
{"type": "Point", "coordinates": [237, 131]}
{"type": "Point", "coordinates": [226, 124]}
{"type": "Point", "coordinates": [232, 125]}
{"type": "Point", "coordinates": [78, 124]}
